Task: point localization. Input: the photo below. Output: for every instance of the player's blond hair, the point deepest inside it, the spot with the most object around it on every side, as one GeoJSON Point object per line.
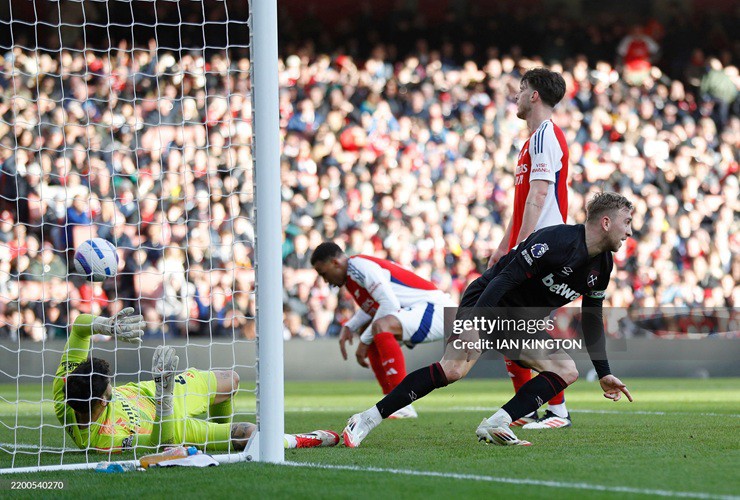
{"type": "Point", "coordinates": [604, 203]}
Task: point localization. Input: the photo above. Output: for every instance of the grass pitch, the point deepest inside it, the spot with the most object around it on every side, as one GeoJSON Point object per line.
{"type": "Point", "coordinates": [679, 438]}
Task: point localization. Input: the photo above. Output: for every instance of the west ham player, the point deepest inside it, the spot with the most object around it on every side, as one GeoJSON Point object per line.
{"type": "Point", "coordinates": [396, 306]}
{"type": "Point", "coordinates": [147, 414]}
{"type": "Point", "coordinates": [540, 199]}
{"type": "Point", "coordinates": [551, 268]}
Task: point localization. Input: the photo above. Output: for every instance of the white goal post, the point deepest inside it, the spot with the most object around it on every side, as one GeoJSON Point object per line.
{"type": "Point", "coordinates": [77, 117]}
{"type": "Point", "coordinates": [266, 148]}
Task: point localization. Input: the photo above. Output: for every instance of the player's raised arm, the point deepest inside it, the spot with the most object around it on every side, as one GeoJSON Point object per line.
{"type": "Point", "coordinates": [125, 326]}
{"type": "Point", "coordinates": [75, 352]}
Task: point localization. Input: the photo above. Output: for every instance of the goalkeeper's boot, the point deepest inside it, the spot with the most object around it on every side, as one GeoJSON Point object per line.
{"type": "Point", "coordinates": [358, 427]}
{"type": "Point", "coordinates": [405, 412]}
{"type": "Point", "coordinates": [527, 419]}
{"type": "Point", "coordinates": [316, 439]}
{"type": "Point", "coordinates": [550, 421]}
{"type": "Point", "coordinates": [499, 434]}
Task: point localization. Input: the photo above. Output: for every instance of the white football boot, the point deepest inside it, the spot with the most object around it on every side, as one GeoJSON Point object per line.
{"type": "Point", "coordinates": [358, 427]}
{"type": "Point", "coordinates": [316, 439]}
{"type": "Point", "coordinates": [550, 421]}
{"type": "Point", "coordinates": [499, 434]}
{"type": "Point", "coordinates": [405, 412]}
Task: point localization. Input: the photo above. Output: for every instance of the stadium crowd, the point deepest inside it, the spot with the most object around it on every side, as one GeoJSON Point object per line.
{"type": "Point", "coordinates": [407, 156]}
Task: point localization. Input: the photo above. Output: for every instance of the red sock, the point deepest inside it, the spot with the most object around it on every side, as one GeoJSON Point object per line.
{"type": "Point", "coordinates": [558, 399]}
{"type": "Point", "coordinates": [377, 366]}
{"type": "Point", "coordinates": [392, 360]}
{"type": "Point", "coordinates": [519, 375]}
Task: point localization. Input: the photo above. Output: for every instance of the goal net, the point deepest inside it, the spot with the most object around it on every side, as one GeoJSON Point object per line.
{"type": "Point", "coordinates": [134, 122]}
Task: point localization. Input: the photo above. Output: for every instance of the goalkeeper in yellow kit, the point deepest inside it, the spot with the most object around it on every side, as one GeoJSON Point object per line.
{"type": "Point", "coordinates": [149, 414]}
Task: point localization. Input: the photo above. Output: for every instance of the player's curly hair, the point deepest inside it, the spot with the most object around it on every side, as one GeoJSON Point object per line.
{"type": "Point", "coordinates": [604, 202]}
{"type": "Point", "coordinates": [86, 384]}
{"type": "Point", "coordinates": [325, 251]}
{"type": "Point", "coordinates": [549, 84]}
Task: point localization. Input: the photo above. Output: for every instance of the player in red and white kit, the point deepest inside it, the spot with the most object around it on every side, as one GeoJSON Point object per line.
{"type": "Point", "coordinates": [540, 200]}
{"type": "Point", "coordinates": [396, 306]}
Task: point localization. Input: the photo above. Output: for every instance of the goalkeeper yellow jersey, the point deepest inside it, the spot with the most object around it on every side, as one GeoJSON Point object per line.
{"type": "Point", "coordinates": [126, 421]}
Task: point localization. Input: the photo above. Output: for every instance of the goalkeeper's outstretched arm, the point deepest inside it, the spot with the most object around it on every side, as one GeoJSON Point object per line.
{"type": "Point", "coordinates": [125, 326]}
{"type": "Point", "coordinates": [75, 352]}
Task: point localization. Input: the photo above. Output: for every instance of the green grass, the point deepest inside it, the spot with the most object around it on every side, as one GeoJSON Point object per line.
{"type": "Point", "coordinates": [692, 446]}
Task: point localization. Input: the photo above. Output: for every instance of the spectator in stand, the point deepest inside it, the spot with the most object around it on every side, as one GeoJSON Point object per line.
{"type": "Point", "coordinates": [718, 87]}
{"type": "Point", "coordinates": [45, 265]}
{"type": "Point", "coordinates": [78, 214]}
{"type": "Point", "coordinates": [637, 51]}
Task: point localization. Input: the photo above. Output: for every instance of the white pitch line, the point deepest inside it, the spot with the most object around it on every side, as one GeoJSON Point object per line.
{"type": "Point", "coordinates": [521, 481]}
{"type": "Point", "coordinates": [613, 412]}
{"type": "Point", "coordinates": [35, 447]}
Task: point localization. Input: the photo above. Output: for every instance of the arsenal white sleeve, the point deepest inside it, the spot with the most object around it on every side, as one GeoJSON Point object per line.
{"type": "Point", "coordinates": [358, 320]}
{"type": "Point", "coordinates": [545, 152]}
{"type": "Point", "coordinates": [377, 282]}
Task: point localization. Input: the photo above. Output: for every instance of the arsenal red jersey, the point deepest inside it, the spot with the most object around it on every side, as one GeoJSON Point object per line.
{"type": "Point", "coordinates": [543, 157]}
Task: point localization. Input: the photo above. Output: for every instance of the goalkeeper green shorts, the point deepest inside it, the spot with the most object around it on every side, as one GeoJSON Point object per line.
{"type": "Point", "coordinates": [195, 391]}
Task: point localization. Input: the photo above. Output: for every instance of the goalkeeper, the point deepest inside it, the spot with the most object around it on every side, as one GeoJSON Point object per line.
{"type": "Point", "coordinates": [152, 413]}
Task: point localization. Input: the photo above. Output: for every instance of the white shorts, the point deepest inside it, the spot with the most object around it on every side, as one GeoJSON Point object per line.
{"type": "Point", "coordinates": [423, 322]}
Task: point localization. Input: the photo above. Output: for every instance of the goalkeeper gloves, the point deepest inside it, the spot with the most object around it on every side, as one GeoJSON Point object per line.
{"type": "Point", "coordinates": [164, 366]}
{"type": "Point", "coordinates": [124, 325]}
